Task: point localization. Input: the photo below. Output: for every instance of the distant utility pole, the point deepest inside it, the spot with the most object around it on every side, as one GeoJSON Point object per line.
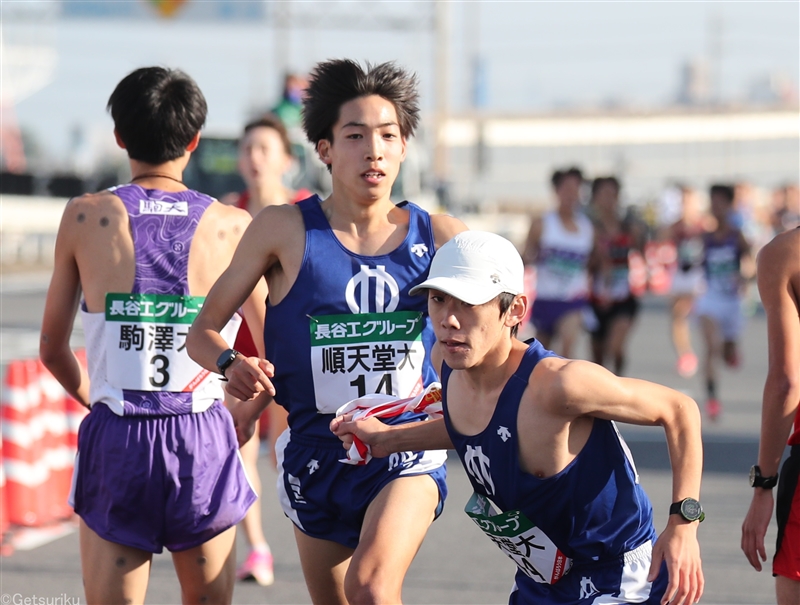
{"type": "Point", "coordinates": [441, 71]}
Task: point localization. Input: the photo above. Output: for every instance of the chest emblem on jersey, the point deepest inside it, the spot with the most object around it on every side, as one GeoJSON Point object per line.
{"type": "Point", "coordinates": [504, 433]}
{"type": "Point", "coordinates": [375, 281]}
{"type": "Point", "coordinates": [419, 249]}
{"type": "Point", "coordinates": [477, 464]}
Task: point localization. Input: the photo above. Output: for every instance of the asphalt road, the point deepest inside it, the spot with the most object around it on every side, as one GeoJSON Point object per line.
{"type": "Point", "coordinates": [456, 564]}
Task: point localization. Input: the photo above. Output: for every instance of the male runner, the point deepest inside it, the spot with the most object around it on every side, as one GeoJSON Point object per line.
{"type": "Point", "coordinates": [779, 286]}
{"type": "Point", "coordinates": [158, 462]}
{"type": "Point", "coordinates": [688, 280]}
{"type": "Point", "coordinates": [613, 301]}
{"type": "Point", "coordinates": [560, 244]}
{"type": "Point", "coordinates": [726, 262]}
{"type": "Point", "coordinates": [341, 323]}
{"type": "Point", "coordinates": [555, 485]}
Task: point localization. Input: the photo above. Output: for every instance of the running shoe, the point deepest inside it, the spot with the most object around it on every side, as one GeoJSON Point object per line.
{"type": "Point", "coordinates": [258, 567]}
{"type": "Point", "coordinates": [732, 360]}
{"type": "Point", "coordinates": [687, 365]}
{"type": "Point", "coordinates": [713, 408]}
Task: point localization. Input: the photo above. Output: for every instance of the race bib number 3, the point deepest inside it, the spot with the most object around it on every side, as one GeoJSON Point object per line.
{"type": "Point", "coordinates": [523, 542]}
{"type": "Point", "coordinates": [146, 342]}
{"type": "Point", "coordinates": [357, 354]}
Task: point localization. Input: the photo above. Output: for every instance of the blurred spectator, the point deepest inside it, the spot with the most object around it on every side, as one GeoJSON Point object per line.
{"type": "Point", "coordinates": [613, 302]}
{"type": "Point", "coordinates": [290, 107]}
{"type": "Point", "coordinates": [786, 208]}
{"type": "Point", "coordinates": [559, 243]}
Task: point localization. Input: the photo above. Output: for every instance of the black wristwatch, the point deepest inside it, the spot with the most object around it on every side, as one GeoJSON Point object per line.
{"type": "Point", "coordinates": [688, 508]}
{"type": "Point", "coordinates": [226, 359]}
{"type": "Point", "coordinates": [757, 480]}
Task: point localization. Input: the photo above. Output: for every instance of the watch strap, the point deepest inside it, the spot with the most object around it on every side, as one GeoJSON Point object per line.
{"type": "Point", "coordinates": [759, 480]}
{"type": "Point", "coordinates": [225, 360]}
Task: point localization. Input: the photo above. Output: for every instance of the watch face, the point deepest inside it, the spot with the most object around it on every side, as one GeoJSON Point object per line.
{"type": "Point", "coordinates": [752, 476]}
{"type": "Point", "coordinates": [226, 359]}
{"type": "Point", "coordinates": [691, 509]}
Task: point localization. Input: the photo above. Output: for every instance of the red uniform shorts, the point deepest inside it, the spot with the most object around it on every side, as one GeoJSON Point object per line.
{"type": "Point", "coordinates": [787, 555]}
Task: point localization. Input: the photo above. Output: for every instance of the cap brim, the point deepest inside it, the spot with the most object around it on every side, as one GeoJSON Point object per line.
{"type": "Point", "coordinates": [458, 288]}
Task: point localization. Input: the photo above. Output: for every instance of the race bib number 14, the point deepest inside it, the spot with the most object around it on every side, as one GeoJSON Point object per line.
{"type": "Point", "coordinates": [358, 354]}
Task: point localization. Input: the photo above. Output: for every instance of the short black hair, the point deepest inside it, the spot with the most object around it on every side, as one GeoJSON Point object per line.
{"type": "Point", "coordinates": [604, 180]}
{"type": "Point", "coordinates": [157, 112]}
{"type": "Point", "coordinates": [725, 191]}
{"type": "Point", "coordinates": [505, 300]}
{"type": "Point", "coordinates": [270, 120]}
{"type": "Point", "coordinates": [334, 83]}
{"type": "Point", "coordinates": [559, 175]}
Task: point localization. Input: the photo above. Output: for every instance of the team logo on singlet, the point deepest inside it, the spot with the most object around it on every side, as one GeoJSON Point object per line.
{"type": "Point", "coordinates": [504, 433]}
{"type": "Point", "coordinates": [357, 292]}
{"type": "Point", "coordinates": [588, 589]}
{"type": "Point", "coordinates": [477, 464]}
{"type": "Point", "coordinates": [419, 249]}
{"type": "Point", "coordinates": [164, 207]}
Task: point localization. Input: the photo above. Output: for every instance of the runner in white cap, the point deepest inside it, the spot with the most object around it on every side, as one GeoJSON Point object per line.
{"type": "Point", "coordinates": [555, 485]}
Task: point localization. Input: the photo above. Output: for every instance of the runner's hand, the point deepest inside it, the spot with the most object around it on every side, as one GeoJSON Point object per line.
{"type": "Point", "coordinates": [245, 414]}
{"type": "Point", "coordinates": [368, 430]}
{"type": "Point", "coordinates": [678, 547]}
{"type": "Point", "coordinates": [249, 376]}
{"type": "Point", "coordinates": [755, 526]}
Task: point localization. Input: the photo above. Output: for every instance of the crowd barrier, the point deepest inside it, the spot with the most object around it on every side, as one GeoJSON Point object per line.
{"type": "Point", "coordinates": [39, 441]}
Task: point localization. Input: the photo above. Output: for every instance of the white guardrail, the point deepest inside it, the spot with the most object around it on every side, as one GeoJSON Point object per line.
{"type": "Point", "coordinates": [28, 227]}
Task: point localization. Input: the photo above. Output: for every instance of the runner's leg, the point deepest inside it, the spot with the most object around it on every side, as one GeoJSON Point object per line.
{"type": "Point", "coordinates": [617, 341]}
{"type": "Point", "coordinates": [394, 527]}
{"type": "Point", "coordinates": [681, 309]}
{"type": "Point", "coordinates": [112, 573]}
{"type": "Point", "coordinates": [787, 591]}
{"type": "Point", "coordinates": [324, 566]}
{"type": "Point", "coordinates": [568, 330]}
{"type": "Point", "coordinates": [207, 572]}
{"type": "Point", "coordinates": [258, 562]}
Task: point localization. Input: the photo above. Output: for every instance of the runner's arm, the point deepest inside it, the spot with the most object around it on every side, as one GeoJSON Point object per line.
{"type": "Point", "coordinates": [384, 439]}
{"type": "Point", "coordinates": [777, 261]}
{"type": "Point", "coordinates": [532, 242]}
{"type": "Point", "coordinates": [583, 388]}
{"type": "Point", "coordinates": [253, 258]}
{"type": "Point", "coordinates": [61, 306]}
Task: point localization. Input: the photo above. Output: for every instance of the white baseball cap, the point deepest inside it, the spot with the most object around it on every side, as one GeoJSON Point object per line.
{"type": "Point", "coordinates": [475, 266]}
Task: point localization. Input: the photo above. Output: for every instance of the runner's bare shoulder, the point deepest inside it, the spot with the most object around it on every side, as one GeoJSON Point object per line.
{"type": "Point", "coordinates": [101, 212]}
{"type": "Point", "coordinates": [222, 226]}
{"type": "Point", "coordinates": [445, 228]}
{"type": "Point", "coordinates": [280, 226]}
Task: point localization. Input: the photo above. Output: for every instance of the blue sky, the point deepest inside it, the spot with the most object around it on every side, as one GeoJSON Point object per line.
{"type": "Point", "coordinates": [538, 56]}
